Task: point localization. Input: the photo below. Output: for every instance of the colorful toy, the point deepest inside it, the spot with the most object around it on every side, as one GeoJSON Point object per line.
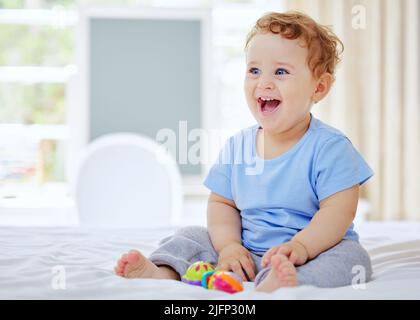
{"type": "Point", "coordinates": [195, 272]}
{"type": "Point", "coordinates": [222, 280]}
{"type": "Point", "coordinates": [203, 274]}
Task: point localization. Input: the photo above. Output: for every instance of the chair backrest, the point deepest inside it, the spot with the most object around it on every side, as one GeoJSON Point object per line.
{"type": "Point", "coordinates": [128, 180]}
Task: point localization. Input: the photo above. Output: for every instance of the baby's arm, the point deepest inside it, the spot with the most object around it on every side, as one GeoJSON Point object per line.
{"type": "Point", "coordinates": [223, 222]}
{"type": "Point", "coordinates": [330, 223]}
{"type": "Point", "coordinates": [327, 228]}
{"type": "Point", "coordinates": [224, 227]}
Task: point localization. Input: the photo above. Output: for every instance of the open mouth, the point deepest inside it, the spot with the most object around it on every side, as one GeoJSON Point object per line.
{"type": "Point", "coordinates": [268, 105]}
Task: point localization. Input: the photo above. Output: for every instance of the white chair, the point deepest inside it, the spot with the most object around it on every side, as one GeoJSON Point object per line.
{"type": "Point", "coordinates": [128, 180]}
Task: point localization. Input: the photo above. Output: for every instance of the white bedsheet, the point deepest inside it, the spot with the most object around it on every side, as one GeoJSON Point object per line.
{"type": "Point", "coordinates": [29, 256]}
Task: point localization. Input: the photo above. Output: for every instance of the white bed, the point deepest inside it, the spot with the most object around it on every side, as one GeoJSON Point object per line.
{"type": "Point", "coordinates": [29, 258]}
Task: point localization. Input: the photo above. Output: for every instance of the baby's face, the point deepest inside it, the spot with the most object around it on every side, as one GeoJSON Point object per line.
{"type": "Point", "coordinates": [278, 84]}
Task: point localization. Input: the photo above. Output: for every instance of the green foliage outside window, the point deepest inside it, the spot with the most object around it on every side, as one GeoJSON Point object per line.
{"type": "Point", "coordinates": [36, 45]}
{"type": "Point", "coordinates": [32, 104]}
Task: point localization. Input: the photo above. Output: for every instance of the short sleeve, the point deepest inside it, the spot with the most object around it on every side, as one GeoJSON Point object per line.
{"type": "Point", "coordinates": [218, 179]}
{"type": "Point", "coordinates": [339, 166]}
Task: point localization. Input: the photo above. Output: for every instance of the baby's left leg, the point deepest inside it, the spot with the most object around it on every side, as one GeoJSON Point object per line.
{"type": "Point", "coordinates": [344, 264]}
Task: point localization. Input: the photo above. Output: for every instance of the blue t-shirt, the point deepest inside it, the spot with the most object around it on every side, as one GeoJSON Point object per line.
{"type": "Point", "coordinates": [278, 197]}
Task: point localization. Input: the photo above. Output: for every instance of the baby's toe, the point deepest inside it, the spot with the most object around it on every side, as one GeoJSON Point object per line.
{"type": "Point", "coordinates": [121, 263]}
{"type": "Point", "coordinates": [277, 260]}
{"type": "Point", "coordinates": [133, 256]}
{"type": "Point", "coordinates": [118, 271]}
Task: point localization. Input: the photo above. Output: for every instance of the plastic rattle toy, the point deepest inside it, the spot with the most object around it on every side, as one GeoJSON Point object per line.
{"type": "Point", "coordinates": [203, 274]}
{"type": "Point", "coordinates": [222, 280]}
{"type": "Point", "coordinates": [195, 272]}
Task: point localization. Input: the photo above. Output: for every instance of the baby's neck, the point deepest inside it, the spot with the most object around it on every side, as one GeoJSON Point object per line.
{"type": "Point", "coordinates": [271, 145]}
{"type": "Point", "coordinates": [290, 136]}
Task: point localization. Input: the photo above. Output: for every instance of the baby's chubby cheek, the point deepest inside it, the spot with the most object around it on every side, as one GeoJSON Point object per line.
{"type": "Point", "coordinates": [297, 96]}
{"type": "Point", "coordinates": [251, 101]}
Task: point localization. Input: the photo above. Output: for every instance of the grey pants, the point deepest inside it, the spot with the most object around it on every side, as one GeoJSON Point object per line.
{"type": "Point", "coordinates": [344, 264]}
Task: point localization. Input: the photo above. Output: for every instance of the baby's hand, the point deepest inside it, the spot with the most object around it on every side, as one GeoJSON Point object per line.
{"type": "Point", "coordinates": [236, 258]}
{"type": "Point", "coordinates": [295, 251]}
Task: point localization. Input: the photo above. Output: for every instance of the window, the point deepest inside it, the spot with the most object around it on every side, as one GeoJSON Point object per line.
{"type": "Point", "coordinates": [37, 59]}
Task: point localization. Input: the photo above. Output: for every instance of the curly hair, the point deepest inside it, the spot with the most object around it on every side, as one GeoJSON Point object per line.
{"type": "Point", "coordinates": [324, 47]}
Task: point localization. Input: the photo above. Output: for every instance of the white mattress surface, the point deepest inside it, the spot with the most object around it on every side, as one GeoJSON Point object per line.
{"type": "Point", "coordinates": [31, 257]}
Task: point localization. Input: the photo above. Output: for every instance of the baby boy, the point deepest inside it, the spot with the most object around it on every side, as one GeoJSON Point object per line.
{"type": "Point", "coordinates": [284, 192]}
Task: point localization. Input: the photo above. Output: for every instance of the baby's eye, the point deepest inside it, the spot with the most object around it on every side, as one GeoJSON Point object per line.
{"type": "Point", "coordinates": [281, 72]}
{"type": "Point", "coordinates": [254, 71]}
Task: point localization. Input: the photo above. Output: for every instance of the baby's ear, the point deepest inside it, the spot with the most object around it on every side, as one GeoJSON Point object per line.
{"type": "Point", "coordinates": [323, 86]}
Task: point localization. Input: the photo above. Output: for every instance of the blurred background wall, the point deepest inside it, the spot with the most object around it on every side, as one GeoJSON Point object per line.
{"type": "Point", "coordinates": [375, 99]}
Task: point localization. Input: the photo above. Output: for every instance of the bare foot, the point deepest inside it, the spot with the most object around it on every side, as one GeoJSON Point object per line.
{"type": "Point", "coordinates": [282, 274]}
{"type": "Point", "coordinates": [135, 265]}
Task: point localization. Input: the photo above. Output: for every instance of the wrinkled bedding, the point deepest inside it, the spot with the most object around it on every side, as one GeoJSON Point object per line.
{"type": "Point", "coordinates": [77, 263]}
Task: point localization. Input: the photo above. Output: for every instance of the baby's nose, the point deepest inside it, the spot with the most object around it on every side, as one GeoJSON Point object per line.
{"type": "Point", "coordinates": [266, 83]}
